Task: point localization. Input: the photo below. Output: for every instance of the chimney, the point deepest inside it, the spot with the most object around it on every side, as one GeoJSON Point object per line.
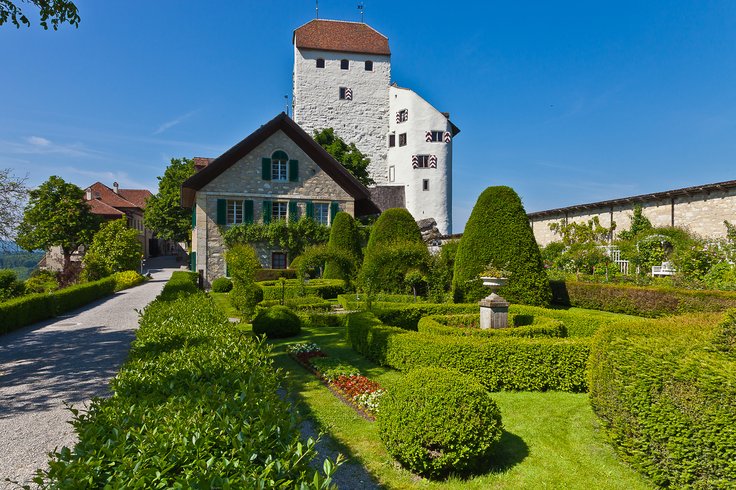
{"type": "Point", "coordinates": [115, 187]}
{"type": "Point", "coordinates": [88, 194]}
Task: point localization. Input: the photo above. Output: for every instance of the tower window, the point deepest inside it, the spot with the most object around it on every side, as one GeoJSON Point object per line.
{"type": "Point", "coordinates": [402, 116]}
{"type": "Point", "coordinates": [425, 184]}
{"type": "Point", "coordinates": [402, 139]}
{"type": "Point", "coordinates": [320, 62]}
{"type": "Point", "coordinates": [435, 136]}
{"type": "Point", "coordinates": [420, 161]}
{"type": "Point", "coordinates": [344, 64]}
{"type": "Point", "coordinates": [346, 93]}
{"type": "Point", "coordinates": [368, 65]}
{"type": "Point", "coordinates": [391, 140]}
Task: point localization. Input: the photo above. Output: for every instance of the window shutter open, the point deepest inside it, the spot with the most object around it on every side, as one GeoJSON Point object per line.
{"type": "Point", "coordinates": [221, 212]}
{"type": "Point", "coordinates": [247, 211]}
{"type": "Point", "coordinates": [194, 217]}
{"type": "Point", "coordinates": [267, 211]}
{"type": "Point", "coordinates": [310, 209]}
{"type": "Point", "coordinates": [266, 168]}
{"type": "Point", "coordinates": [334, 208]}
{"type": "Point", "coordinates": [293, 211]}
{"type": "Point", "coordinates": [293, 170]}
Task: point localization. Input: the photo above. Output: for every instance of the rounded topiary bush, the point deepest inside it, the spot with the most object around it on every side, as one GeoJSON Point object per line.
{"type": "Point", "coordinates": [345, 238]}
{"type": "Point", "coordinates": [438, 421]}
{"type": "Point", "coordinates": [394, 225]}
{"type": "Point", "coordinates": [498, 232]}
{"type": "Point", "coordinates": [222, 285]}
{"type": "Point", "coordinates": [277, 322]}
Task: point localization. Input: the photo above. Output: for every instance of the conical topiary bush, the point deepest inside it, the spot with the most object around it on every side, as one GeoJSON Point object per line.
{"type": "Point", "coordinates": [343, 236]}
{"type": "Point", "coordinates": [498, 233]}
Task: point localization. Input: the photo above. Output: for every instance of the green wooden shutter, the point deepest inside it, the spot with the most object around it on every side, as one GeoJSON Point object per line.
{"type": "Point", "coordinates": [293, 211]}
{"type": "Point", "coordinates": [310, 209]}
{"type": "Point", "coordinates": [266, 168]}
{"type": "Point", "coordinates": [194, 217]}
{"type": "Point", "coordinates": [193, 261]}
{"type": "Point", "coordinates": [334, 208]}
{"type": "Point", "coordinates": [267, 211]}
{"type": "Point", "coordinates": [221, 212]}
{"type": "Point", "coordinates": [293, 170]}
{"type": "Point", "coordinates": [247, 211]}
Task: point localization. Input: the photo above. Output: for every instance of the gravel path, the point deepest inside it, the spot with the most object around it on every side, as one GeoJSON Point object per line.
{"type": "Point", "coordinates": [68, 359]}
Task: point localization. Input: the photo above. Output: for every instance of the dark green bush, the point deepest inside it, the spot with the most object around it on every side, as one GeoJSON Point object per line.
{"type": "Point", "coordinates": [242, 261]}
{"type": "Point", "coordinates": [73, 297]}
{"type": "Point", "coordinates": [500, 363]}
{"type": "Point", "coordinates": [498, 233]}
{"type": "Point", "coordinates": [724, 339]}
{"type": "Point", "coordinates": [32, 308]}
{"type": "Point", "coordinates": [10, 286]}
{"type": "Point", "coordinates": [277, 322]}
{"type": "Point", "coordinates": [196, 405]}
{"type": "Point", "coordinates": [273, 274]}
{"type": "Point", "coordinates": [667, 399]}
{"type": "Point", "coordinates": [436, 422]}
{"type": "Point", "coordinates": [323, 320]}
{"type": "Point", "coordinates": [324, 288]}
{"type": "Point", "coordinates": [222, 285]}
{"type": "Point", "coordinates": [469, 325]}
{"type": "Point", "coordinates": [180, 283]}
{"type": "Point", "coordinates": [395, 225]}
{"type": "Point", "coordinates": [344, 236]}
{"type": "Point", "coordinates": [641, 301]}
{"type": "Point", "coordinates": [308, 303]}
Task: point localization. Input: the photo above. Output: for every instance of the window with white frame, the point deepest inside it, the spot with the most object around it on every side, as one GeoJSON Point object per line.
{"type": "Point", "coordinates": [420, 161]}
{"type": "Point", "coordinates": [278, 260]}
{"type": "Point", "coordinates": [234, 212]}
{"type": "Point", "coordinates": [435, 136]}
{"type": "Point", "coordinates": [322, 213]}
{"type": "Point", "coordinates": [278, 211]}
{"type": "Point", "coordinates": [425, 184]}
{"type": "Point", "coordinates": [391, 173]}
{"type": "Point", "coordinates": [279, 164]}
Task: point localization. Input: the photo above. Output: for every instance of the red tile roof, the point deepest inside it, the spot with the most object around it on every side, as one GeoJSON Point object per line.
{"type": "Point", "coordinates": [201, 162]}
{"type": "Point", "coordinates": [100, 208]}
{"type": "Point", "coordinates": [136, 196]}
{"type": "Point", "coordinates": [105, 194]}
{"type": "Point", "coordinates": [337, 35]}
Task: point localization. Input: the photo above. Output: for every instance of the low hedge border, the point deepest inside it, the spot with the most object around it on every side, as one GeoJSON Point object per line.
{"type": "Point", "coordinates": [639, 300]}
{"type": "Point", "coordinates": [324, 288]}
{"type": "Point", "coordinates": [196, 405]}
{"type": "Point", "coordinates": [503, 363]}
{"type": "Point", "coordinates": [32, 308]}
{"type": "Point", "coordinates": [469, 326]}
{"type": "Point", "coordinates": [309, 303]}
{"type": "Point", "coordinates": [666, 395]}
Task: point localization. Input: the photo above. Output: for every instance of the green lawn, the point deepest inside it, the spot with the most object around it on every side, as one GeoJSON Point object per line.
{"type": "Point", "coordinates": [552, 440]}
{"type": "Point", "coordinates": [222, 300]}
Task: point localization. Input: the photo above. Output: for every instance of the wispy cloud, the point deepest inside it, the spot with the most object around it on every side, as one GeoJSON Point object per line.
{"type": "Point", "coordinates": [37, 145]}
{"type": "Point", "coordinates": [107, 177]}
{"type": "Point", "coordinates": [178, 120]}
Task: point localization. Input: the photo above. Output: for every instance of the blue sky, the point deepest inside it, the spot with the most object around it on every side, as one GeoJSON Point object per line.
{"type": "Point", "coordinates": [567, 102]}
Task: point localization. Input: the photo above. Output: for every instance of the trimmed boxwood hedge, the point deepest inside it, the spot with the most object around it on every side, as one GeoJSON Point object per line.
{"type": "Point", "coordinates": [180, 282]}
{"type": "Point", "coordinates": [308, 303]}
{"type": "Point", "coordinates": [668, 399]}
{"type": "Point", "coordinates": [32, 308]}
{"type": "Point", "coordinates": [498, 232]}
{"type": "Point", "coordinates": [641, 301]}
{"type": "Point", "coordinates": [196, 405]}
{"type": "Point", "coordinates": [324, 288]}
{"type": "Point", "coordinates": [469, 325]}
{"type": "Point", "coordinates": [344, 236]}
{"type": "Point", "coordinates": [503, 363]}
{"type": "Point", "coordinates": [277, 322]}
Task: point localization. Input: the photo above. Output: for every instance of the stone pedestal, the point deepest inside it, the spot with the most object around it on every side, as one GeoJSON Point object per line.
{"type": "Point", "coordinates": [494, 312]}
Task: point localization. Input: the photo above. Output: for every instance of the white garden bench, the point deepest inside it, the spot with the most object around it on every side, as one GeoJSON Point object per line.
{"type": "Point", "coordinates": [665, 269]}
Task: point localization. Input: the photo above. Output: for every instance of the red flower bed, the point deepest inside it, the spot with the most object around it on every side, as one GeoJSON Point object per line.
{"type": "Point", "coordinates": [304, 357]}
{"type": "Point", "coordinates": [356, 385]}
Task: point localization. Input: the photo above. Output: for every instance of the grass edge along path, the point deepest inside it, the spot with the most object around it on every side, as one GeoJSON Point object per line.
{"type": "Point", "coordinates": [552, 439]}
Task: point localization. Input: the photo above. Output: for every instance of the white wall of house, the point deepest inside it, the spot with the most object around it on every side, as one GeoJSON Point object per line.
{"type": "Point", "coordinates": [433, 198]}
{"type": "Point", "coordinates": [362, 120]}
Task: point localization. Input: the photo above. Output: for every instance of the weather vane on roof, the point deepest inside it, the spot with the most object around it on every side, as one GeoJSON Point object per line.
{"type": "Point", "coordinates": [361, 9]}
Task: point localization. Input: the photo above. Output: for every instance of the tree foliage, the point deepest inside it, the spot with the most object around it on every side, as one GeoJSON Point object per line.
{"type": "Point", "coordinates": [498, 232]}
{"type": "Point", "coordinates": [347, 154]}
{"type": "Point", "coordinates": [344, 237]}
{"type": "Point", "coordinates": [115, 248]}
{"type": "Point", "coordinates": [13, 194]}
{"type": "Point", "coordinates": [56, 215]}
{"type": "Point", "coordinates": [53, 12]}
{"type": "Point", "coordinates": [164, 214]}
{"type": "Point", "coordinates": [640, 224]}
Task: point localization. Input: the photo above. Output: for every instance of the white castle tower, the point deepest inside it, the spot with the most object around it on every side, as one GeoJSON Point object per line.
{"type": "Point", "coordinates": [342, 80]}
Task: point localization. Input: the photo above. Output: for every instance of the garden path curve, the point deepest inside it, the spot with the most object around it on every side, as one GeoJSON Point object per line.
{"type": "Point", "coordinates": [68, 359]}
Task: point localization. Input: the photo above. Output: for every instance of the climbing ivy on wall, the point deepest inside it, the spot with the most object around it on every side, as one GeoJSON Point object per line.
{"type": "Point", "coordinates": [292, 236]}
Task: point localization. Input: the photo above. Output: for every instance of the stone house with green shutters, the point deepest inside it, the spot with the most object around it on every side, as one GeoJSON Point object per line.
{"type": "Point", "coordinates": [277, 173]}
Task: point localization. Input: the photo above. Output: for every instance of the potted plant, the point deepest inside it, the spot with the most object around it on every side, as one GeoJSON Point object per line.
{"type": "Point", "coordinates": [495, 276]}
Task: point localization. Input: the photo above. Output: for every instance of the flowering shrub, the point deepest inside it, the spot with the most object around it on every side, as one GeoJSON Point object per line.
{"type": "Point", "coordinates": [302, 347]}
{"type": "Point", "coordinates": [369, 401]}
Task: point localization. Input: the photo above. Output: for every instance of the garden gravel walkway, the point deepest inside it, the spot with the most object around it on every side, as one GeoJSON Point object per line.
{"type": "Point", "coordinates": [69, 359]}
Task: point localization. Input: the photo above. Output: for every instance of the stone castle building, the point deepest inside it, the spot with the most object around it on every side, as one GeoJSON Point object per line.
{"type": "Point", "coordinates": [342, 80]}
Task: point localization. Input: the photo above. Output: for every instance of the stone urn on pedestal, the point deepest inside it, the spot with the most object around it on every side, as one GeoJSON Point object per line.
{"type": "Point", "coordinates": [494, 310]}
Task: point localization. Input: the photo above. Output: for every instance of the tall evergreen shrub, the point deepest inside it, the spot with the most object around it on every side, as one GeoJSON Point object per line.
{"type": "Point", "coordinates": [498, 232]}
{"type": "Point", "coordinates": [243, 262]}
{"type": "Point", "coordinates": [394, 247]}
{"type": "Point", "coordinates": [343, 236]}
